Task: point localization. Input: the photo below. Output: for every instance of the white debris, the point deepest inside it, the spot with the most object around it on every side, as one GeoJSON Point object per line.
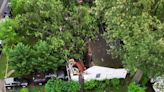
{"type": "Point", "coordinates": [158, 85]}
{"type": "Point", "coordinates": [101, 73]}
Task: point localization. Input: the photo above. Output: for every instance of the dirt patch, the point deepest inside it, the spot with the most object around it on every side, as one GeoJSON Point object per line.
{"type": "Point", "coordinates": [100, 56]}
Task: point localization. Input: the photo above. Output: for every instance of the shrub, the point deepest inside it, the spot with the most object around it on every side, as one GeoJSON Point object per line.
{"type": "Point", "coordinates": [89, 85]}
{"type": "Point", "coordinates": [57, 85]}
{"type": "Point", "coordinates": [144, 80]}
{"type": "Point", "coordinates": [133, 87]}
{"type": "Point", "coordinates": [115, 82]}
{"type": "Point", "coordinates": [24, 90]}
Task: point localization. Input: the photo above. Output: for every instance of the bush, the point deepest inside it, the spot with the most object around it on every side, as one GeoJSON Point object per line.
{"type": "Point", "coordinates": [133, 87]}
{"type": "Point", "coordinates": [89, 85]}
{"type": "Point", "coordinates": [144, 80]}
{"type": "Point", "coordinates": [115, 82]}
{"type": "Point", "coordinates": [57, 85]}
{"type": "Point", "coordinates": [24, 90]}
{"type": "Point", "coordinates": [94, 84]}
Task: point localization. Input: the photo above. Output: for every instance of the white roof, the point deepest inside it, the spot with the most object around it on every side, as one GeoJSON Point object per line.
{"type": "Point", "coordinates": [101, 73]}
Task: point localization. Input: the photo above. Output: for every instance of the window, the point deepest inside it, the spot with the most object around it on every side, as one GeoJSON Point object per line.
{"type": "Point", "coordinates": [98, 75]}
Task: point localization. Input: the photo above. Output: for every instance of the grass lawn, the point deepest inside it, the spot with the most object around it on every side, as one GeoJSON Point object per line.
{"type": "Point", "coordinates": [3, 62]}
{"type": "Point", "coordinates": [31, 89]}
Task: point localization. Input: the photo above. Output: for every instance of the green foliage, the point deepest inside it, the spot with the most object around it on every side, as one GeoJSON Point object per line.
{"type": "Point", "coordinates": [81, 22]}
{"type": "Point", "coordinates": [7, 33]}
{"type": "Point", "coordinates": [46, 58]}
{"type": "Point", "coordinates": [52, 33]}
{"type": "Point", "coordinates": [24, 90]}
{"type": "Point", "coordinates": [134, 35]}
{"type": "Point", "coordinates": [20, 59]}
{"type": "Point", "coordinates": [99, 85]}
{"type": "Point", "coordinates": [144, 80]}
{"type": "Point", "coordinates": [133, 87]}
{"type": "Point", "coordinates": [115, 82]}
{"type": "Point", "coordinates": [3, 62]}
{"type": "Point", "coordinates": [40, 19]}
{"type": "Point", "coordinates": [89, 85]}
{"type": "Point", "coordinates": [147, 4]}
{"type": "Point", "coordinates": [74, 46]}
{"type": "Point", "coordinates": [159, 10]}
{"type": "Point", "coordinates": [57, 85]}
{"type": "Point", "coordinates": [17, 6]}
{"type": "Point", "coordinates": [41, 57]}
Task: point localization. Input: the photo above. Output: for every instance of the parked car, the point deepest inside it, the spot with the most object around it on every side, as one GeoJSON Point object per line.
{"type": "Point", "coordinates": [15, 82]}
{"type": "Point", "coordinates": [39, 79]}
{"type": "Point", "coordinates": [42, 78]}
{"type": "Point", "coordinates": [61, 74]}
{"type": "Point", "coordinates": [50, 75]}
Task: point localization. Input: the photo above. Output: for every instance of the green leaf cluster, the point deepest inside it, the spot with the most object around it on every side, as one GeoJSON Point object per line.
{"type": "Point", "coordinates": [133, 87]}
{"type": "Point", "coordinates": [57, 85]}
{"type": "Point", "coordinates": [26, 59]}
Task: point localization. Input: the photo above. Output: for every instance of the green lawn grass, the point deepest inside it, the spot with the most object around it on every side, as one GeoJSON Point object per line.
{"type": "Point", "coordinates": [3, 62]}
{"type": "Point", "coordinates": [37, 89]}
{"type": "Point", "coordinates": [31, 89]}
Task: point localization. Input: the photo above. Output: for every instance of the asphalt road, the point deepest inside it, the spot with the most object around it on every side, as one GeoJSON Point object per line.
{"type": "Point", "coordinates": [3, 4]}
{"type": "Point", "coordinates": [1, 1]}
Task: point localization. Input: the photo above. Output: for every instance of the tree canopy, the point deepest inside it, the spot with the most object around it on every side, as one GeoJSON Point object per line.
{"type": "Point", "coordinates": [134, 33]}
{"type": "Point", "coordinates": [26, 59]}
{"type": "Point", "coordinates": [52, 31]}
{"type": "Point", "coordinates": [47, 33]}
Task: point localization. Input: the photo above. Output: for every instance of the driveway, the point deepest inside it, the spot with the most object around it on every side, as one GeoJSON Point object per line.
{"type": "Point", "coordinates": [3, 4]}
{"type": "Point", "coordinates": [2, 86]}
{"type": "Point", "coordinates": [1, 1]}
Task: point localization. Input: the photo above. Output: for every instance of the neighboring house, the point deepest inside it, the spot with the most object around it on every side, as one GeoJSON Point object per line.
{"type": "Point", "coordinates": [95, 73]}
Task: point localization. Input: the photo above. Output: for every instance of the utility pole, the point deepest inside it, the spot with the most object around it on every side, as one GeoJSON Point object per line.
{"type": "Point", "coordinates": [81, 81]}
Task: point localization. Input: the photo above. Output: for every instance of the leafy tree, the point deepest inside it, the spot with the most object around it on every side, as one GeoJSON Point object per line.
{"type": "Point", "coordinates": [17, 6]}
{"type": "Point", "coordinates": [41, 19]}
{"type": "Point", "coordinates": [133, 87]}
{"type": "Point", "coordinates": [57, 85]}
{"type": "Point", "coordinates": [52, 32]}
{"type": "Point", "coordinates": [74, 46]}
{"type": "Point", "coordinates": [41, 57]}
{"type": "Point", "coordinates": [47, 58]}
{"type": "Point", "coordinates": [20, 58]}
{"type": "Point", "coordinates": [159, 10]}
{"type": "Point", "coordinates": [7, 33]}
{"type": "Point", "coordinates": [81, 22]}
{"type": "Point", "coordinates": [134, 35]}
